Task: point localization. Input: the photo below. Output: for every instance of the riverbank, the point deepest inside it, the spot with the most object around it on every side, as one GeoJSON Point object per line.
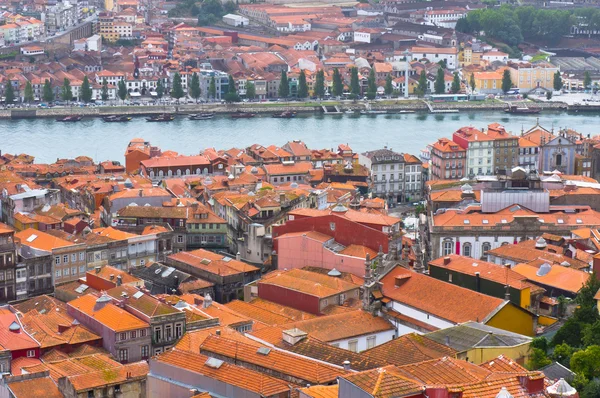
{"type": "Point", "coordinates": [391, 106]}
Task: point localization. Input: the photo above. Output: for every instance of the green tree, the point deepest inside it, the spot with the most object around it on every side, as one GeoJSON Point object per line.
{"type": "Point", "coordinates": [423, 83]}
{"type": "Point", "coordinates": [9, 93]}
{"type": "Point", "coordinates": [472, 82]}
{"type": "Point", "coordinates": [440, 82]}
{"type": "Point", "coordinates": [338, 85]}
{"type": "Point", "coordinates": [506, 81]}
{"type": "Point", "coordinates": [455, 83]}
{"type": "Point", "coordinates": [66, 92]}
{"type": "Point", "coordinates": [28, 95]}
{"type": "Point", "coordinates": [212, 88]}
{"type": "Point", "coordinates": [548, 95]}
{"type": "Point", "coordinates": [47, 92]}
{"type": "Point", "coordinates": [585, 297]}
{"type": "Point", "coordinates": [587, 80]}
{"type": "Point", "coordinates": [587, 362]}
{"type": "Point", "coordinates": [232, 95]}
{"type": "Point", "coordinates": [250, 90]}
{"type": "Point", "coordinates": [371, 85]}
{"type": "Point", "coordinates": [195, 89]}
{"type": "Point", "coordinates": [538, 359]}
{"type": "Point", "coordinates": [540, 342]}
{"type": "Point", "coordinates": [592, 390]}
{"type": "Point", "coordinates": [443, 64]}
{"type": "Point", "coordinates": [211, 12]}
{"type": "Point", "coordinates": [354, 83]}
{"type": "Point", "coordinates": [284, 85]}
{"type": "Point", "coordinates": [122, 90]}
{"type": "Point", "coordinates": [104, 92]}
{"type": "Point", "coordinates": [86, 90]}
{"type": "Point", "coordinates": [302, 86]}
{"type": "Point", "coordinates": [319, 87]}
{"type": "Point", "coordinates": [570, 333]}
{"type": "Point", "coordinates": [389, 88]}
{"type": "Point", "coordinates": [557, 83]}
{"type": "Point", "coordinates": [177, 90]}
{"type": "Point", "coordinates": [160, 88]}
{"type": "Point", "coordinates": [562, 354]}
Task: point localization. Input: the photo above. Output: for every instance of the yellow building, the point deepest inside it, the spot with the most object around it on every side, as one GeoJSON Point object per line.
{"type": "Point", "coordinates": [532, 76]}
{"type": "Point", "coordinates": [479, 343]}
{"type": "Point", "coordinates": [597, 298]}
{"type": "Point", "coordinates": [109, 5]}
{"type": "Point", "coordinates": [488, 82]}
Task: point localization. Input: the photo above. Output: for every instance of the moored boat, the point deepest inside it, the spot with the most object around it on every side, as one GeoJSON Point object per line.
{"type": "Point", "coordinates": [202, 116]}
{"type": "Point", "coordinates": [116, 118]}
{"type": "Point", "coordinates": [69, 119]}
{"type": "Point", "coordinates": [165, 117]}
{"type": "Point", "coordinates": [284, 115]}
{"type": "Point", "coordinates": [242, 115]}
{"type": "Point", "coordinates": [523, 110]}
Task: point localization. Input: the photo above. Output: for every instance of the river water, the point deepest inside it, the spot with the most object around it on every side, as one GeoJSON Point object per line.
{"type": "Point", "coordinates": [48, 140]}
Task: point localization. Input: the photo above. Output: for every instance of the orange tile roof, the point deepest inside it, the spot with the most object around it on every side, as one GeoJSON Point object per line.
{"type": "Point", "coordinates": [525, 252]}
{"type": "Point", "coordinates": [450, 196]}
{"type": "Point", "coordinates": [288, 312]}
{"type": "Point", "coordinates": [358, 251]}
{"type": "Point", "coordinates": [213, 262]}
{"type": "Point", "coordinates": [444, 300]}
{"type": "Point", "coordinates": [283, 169]}
{"type": "Point", "coordinates": [311, 283]}
{"type": "Point", "coordinates": [559, 277]}
{"type": "Point", "coordinates": [283, 362]}
{"type": "Point", "coordinates": [14, 341]}
{"type": "Point", "coordinates": [246, 379]}
{"type": "Point", "coordinates": [103, 378]}
{"type": "Point", "coordinates": [113, 233]}
{"type": "Point", "coordinates": [352, 215]}
{"type": "Point", "coordinates": [108, 273]}
{"type": "Point", "coordinates": [144, 303]}
{"type": "Point", "coordinates": [258, 314]}
{"type": "Point", "coordinates": [38, 387]}
{"type": "Point", "coordinates": [489, 271]}
{"type": "Point", "coordinates": [342, 326]}
{"type": "Point", "coordinates": [41, 240]}
{"type": "Point", "coordinates": [385, 382]}
{"type": "Point", "coordinates": [409, 348]}
{"type": "Point", "coordinates": [321, 391]}
{"type": "Point", "coordinates": [111, 316]}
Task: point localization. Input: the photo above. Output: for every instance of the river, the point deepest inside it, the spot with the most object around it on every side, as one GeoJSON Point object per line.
{"type": "Point", "coordinates": [48, 140]}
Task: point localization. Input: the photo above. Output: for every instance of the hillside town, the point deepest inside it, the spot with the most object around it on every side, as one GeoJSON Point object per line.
{"type": "Point", "coordinates": [289, 268]}
{"type": "Point", "coordinates": [291, 271]}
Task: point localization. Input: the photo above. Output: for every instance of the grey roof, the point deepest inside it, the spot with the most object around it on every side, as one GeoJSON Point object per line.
{"type": "Point", "coordinates": [384, 156]}
{"type": "Point", "coordinates": [159, 278]}
{"type": "Point", "coordinates": [472, 334]}
{"type": "Point", "coordinates": [556, 371]}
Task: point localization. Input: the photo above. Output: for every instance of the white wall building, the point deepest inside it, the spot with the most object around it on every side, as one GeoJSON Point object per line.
{"type": "Point", "coordinates": [236, 20]}
{"type": "Point", "coordinates": [450, 55]}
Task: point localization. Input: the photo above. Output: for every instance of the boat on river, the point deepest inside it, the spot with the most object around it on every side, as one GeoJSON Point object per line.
{"type": "Point", "coordinates": [202, 116]}
{"type": "Point", "coordinates": [165, 117]}
{"type": "Point", "coordinates": [69, 119]}
{"type": "Point", "coordinates": [284, 115]}
{"type": "Point", "coordinates": [522, 110]}
{"type": "Point", "coordinates": [116, 118]}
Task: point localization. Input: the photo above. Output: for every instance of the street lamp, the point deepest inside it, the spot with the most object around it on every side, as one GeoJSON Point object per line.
{"type": "Point", "coordinates": [407, 55]}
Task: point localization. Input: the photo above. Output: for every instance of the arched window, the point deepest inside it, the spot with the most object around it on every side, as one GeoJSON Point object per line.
{"type": "Point", "coordinates": [178, 172]}
{"type": "Point", "coordinates": [198, 171]}
{"type": "Point", "coordinates": [170, 173]}
{"type": "Point", "coordinates": [187, 172]}
{"type": "Point", "coordinates": [485, 246]}
{"type": "Point", "coordinates": [152, 174]}
{"type": "Point", "coordinates": [161, 173]}
{"type": "Point", "coordinates": [205, 171]}
{"type": "Point", "coordinates": [447, 247]}
{"type": "Point", "coordinates": [466, 250]}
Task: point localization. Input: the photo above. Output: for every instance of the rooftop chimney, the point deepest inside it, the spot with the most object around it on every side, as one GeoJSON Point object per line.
{"type": "Point", "coordinates": [346, 365]}
{"type": "Point", "coordinates": [238, 256]}
{"type": "Point", "coordinates": [112, 276]}
{"type": "Point", "coordinates": [207, 301]}
{"type": "Point", "coordinates": [141, 193]}
{"type": "Point", "coordinates": [119, 280]}
{"type": "Point", "coordinates": [218, 332]}
{"type": "Point", "coordinates": [446, 260]}
{"type": "Point", "coordinates": [98, 269]}
{"type": "Point", "coordinates": [293, 336]}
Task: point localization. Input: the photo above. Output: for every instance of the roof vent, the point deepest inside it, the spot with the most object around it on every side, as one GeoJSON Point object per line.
{"type": "Point", "coordinates": [213, 363]}
{"type": "Point", "coordinates": [565, 264]}
{"type": "Point", "coordinates": [334, 272]}
{"type": "Point", "coordinates": [541, 243]}
{"type": "Point", "coordinates": [14, 327]}
{"type": "Point", "coordinates": [263, 351]}
{"type": "Point", "coordinates": [339, 208]}
{"type": "Point", "coordinates": [544, 269]}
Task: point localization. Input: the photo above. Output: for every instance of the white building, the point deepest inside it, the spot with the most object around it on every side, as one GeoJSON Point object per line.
{"type": "Point", "coordinates": [236, 20]}
{"type": "Point", "coordinates": [432, 54]}
{"type": "Point", "coordinates": [495, 56]}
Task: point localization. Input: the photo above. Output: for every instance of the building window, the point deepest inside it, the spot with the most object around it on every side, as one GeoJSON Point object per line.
{"type": "Point", "coordinates": [485, 246]}
{"type": "Point", "coordinates": [143, 333]}
{"type": "Point", "coordinates": [157, 334]}
{"type": "Point", "coordinates": [447, 248]}
{"type": "Point", "coordinates": [178, 330]}
{"type": "Point", "coordinates": [371, 342]}
{"type": "Point", "coordinates": [65, 258]}
{"type": "Point", "coordinates": [353, 345]}
{"type": "Point", "coordinates": [467, 250]}
{"type": "Point", "coordinates": [123, 336]}
{"type": "Point", "coordinates": [179, 238]}
{"type": "Point", "coordinates": [81, 256]}
{"type": "Point", "coordinates": [57, 260]}
{"type": "Point", "coordinates": [123, 355]}
{"type": "Point", "coordinates": [133, 334]}
{"type": "Point", "coordinates": [168, 332]}
{"type": "Point", "coordinates": [145, 351]}
{"type": "Point", "coordinates": [332, 226]}
{"type": "Point", "coordinates": [30, 353]}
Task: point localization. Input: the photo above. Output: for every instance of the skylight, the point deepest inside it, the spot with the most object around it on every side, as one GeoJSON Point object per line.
{"type": "Point", "coordinates": [466, 221]}
{"type": "Point", "coordinates": [560, 221]}
{"type": "Point", "coordinates": [485, 222]}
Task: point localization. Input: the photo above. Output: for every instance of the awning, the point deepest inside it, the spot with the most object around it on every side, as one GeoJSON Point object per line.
{"type": "Point", "coordinates": [154, 93]}
{"type": "Point", "coordinates": [134, 94]}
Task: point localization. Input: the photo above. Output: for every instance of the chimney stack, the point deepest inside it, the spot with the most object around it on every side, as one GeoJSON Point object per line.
{"type": "Point", "coordinates": [446, 260]}
{"type": "Point", "coordinates": [119, 280]}
{"type": "Point", "coordinates": [238, 256]}
{"type": "Point", "coordinates": [97, 269]}
{"type": "Point", "coordinates": [346, 365]}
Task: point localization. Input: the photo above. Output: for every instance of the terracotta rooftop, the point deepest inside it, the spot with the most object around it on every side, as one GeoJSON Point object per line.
{"type": "Point", "coordinates": [556, 276]}
{"type": "Point", "coordinates": [526, 252]}
{"type": "Point", "coordinates": [321, 391]}
{"type": "Point", "coordinates": [142, 302]}
{"type": "Point", "coordinates": [312, 283]}
{"type": "Point", "coordinates": [109, 315]}
{"type": "Point", "coordinates": [295, 366]}
{"type": "Point", "coordinates": [342, 326]}
{"type": "Point", "coordinates": [41, 240]}
{"type": "Point", "coordinates": [409, 348]}
{"type": "Point", "coordinates": [38, 387]}
{"type": "Point", "coordinates": [103, 378]}
{"type": "Point", "coordinates": [12, 335]}
{"type": "Point", "coordinates": [213, 262]}
{"type": "Point", "coordinates": [444, 300]}
{"type": "Point", "coordinates": [256, 382]}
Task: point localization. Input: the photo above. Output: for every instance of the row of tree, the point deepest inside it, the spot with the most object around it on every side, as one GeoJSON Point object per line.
{"type": "Point", "coordinates": [512, 25]}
